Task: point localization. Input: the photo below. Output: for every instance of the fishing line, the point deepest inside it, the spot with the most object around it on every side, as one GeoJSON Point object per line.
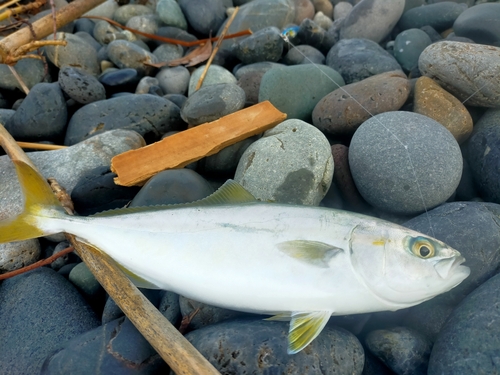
{"type": "Point", "coordinates": [291, 32]}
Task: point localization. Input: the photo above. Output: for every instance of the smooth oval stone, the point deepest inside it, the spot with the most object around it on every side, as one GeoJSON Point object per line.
{"type": "Point", "coordinates": [172, 187]}
{"type": "Point", "coordinates": [432, 101]}
{"type": "Point", "coordinates": [89, 39]}
{"type": "Point", "coordinates": [312, 34]}
{"type": "Point", "coordinates": [481, 23]}
{"type": "Point", "coordinates": [113, 348]}
{"type": "Point", "coordinates": [173, 33]}
{"type": "Point", "coordinates": [379, 157]}
{"type": "Point", "coordinates": [216, 74]}
{"type": "Point", "coordinates": [171, 14]}
{"type": "Point", "coordinates": [357, 59]}
{"type": "Point", "coordinates": [120, 80]}
{"type": "Point", "coordinates": [439, 16]}
{"type": "Point", "coordinates": [41, 116]}
{"type": "Point", "coordinates": [341, 10]}
{"type": "Point", "coordinates": [149, 115]}
{"type": "Point", "coordinates": [468, 71]}
{"type": "Point", "coordinates": [469, 341]}
{"type": "Point", "coordinates": [174, 80]}
{"type": "Point", "coordinates": [403, 350]}
{"type": "Point", "coordinates": [39, 312]}
{"type": "Point", "coordinates": [148, 24]}
{"type": "Point", "coordinates": [85, 281]}
{"type": "Point", "coordinates": [105, 9]}
{"type": "Point", "coordinates": [339, 114]}
{"type": "Point", "coordinates": [263, 45]}
{"type": "Point", "coordinates": [408, 46]}
{"type": "Point", "coordinates": [260, 67]}
{"type": "Point", "coordinates": [204, 16]}
{"type": "Point", "coordinates": [322, 20]}
{"type": "Point", "coordinates": [80, 86]}
{"type": "Point", "coordinates": [260, 347]}
{"type": "Point", "coordinates": [76, 53]}
{"type": "Point", "coordinates": [84, 25]}
{"type": "Point", "coordinates": [304, 9]}
{"type": "Point", "coordinates": [125, 54]}
{"type": "Point", "coordinates": [212, 102]}
{"type": "Point", "coordinates": [304, 54]}
{"type": "Point", "coordinates": [168, 52]}
{"type": "Point", "coordinates": [296, 89]}
{"type": "Point", "coordinates": [127, 11]}
{"type": "Point", "coordinates": [372, 19]}
{"type": "Point", "coordinates": [146, 84]}
{"type": "Point", "coordinates": [291, 163]}
{"type": "Point", "coordinates": [31, 71]}
{"type": "Point", "coordinates": [177, 99]}
{"type": "Point", "coordinates": [105, 33]}
{"type": "Point", "coordinates": [15, 255]}
{"type": "Point", "coordinates": [250, 83]}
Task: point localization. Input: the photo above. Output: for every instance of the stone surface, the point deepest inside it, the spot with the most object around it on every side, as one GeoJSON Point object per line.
{"type": "Point", "coordinates": [85, 282]}
{"type": "Point", "coordinates": [119, 80]}
{"type": "Point", "coordinates": [15, 255]}
{"type": "Point", "coordinates": [432, 101]}
{"type": "Point", "coordinates": [216, 74]}
{"type": "Point", "coordinates": [80, 86]}
{"type": "Point", "coordinates": [167, 52]}
{"type": "Point", "coordinates": [439, 16]}
{"type": "Point", "coordinates": [468, 71]}
{"type": "Point", "coordinates": [147, 23]}
{"type": "Point", "coordinates": [295, 90]}
{"type": "Point", "coordinates": [174, 80]}
{"type": "Point", "coordinates": [339, 114]}
{"type": "Point", "coordinates": [127, 11]}
{"type": "Point", "coordinates": [171, 14]}
{"type": "Point", "coordinates": [149, 115]}
{"type": "Point", "coordinates": [481, 23]}
{"type": "Point", "coordinates": [250, 83]}
{"type": "Point", "coordinates": [408, 46]}
{"type": "Point", "coordinates": [263, 45]}
{"type": "Point", "coordinates": [125, 54]}
{"type": "Point", "coordinates": [31, 72]}
{"type": "Point", "coordinates": [39, 312]}
{"type": "Point", "coordinates": [379, 161]}
{"type": "Point", "coordinates": [291, 163]}
{"type": "Point", "coordinates": [204, 16]}
{"type": "Point", "coordinates": [296, 56]}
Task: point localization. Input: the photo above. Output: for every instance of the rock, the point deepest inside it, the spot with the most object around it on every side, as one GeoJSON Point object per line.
{"type": "Point", "coordinates": [432, 101]}
{"type": "Point", "coordinates": [149, 115]}
{"type": "Point", "coordinates": [174, 80]}
{"type": "Point", "coordinates": [263, 45]}
{"type": "Point", "coordinates": [171, 14]}
{"type": "Point", "coordinates": [39, 312]}
{"type": "Point", "coordinates": [469, 341]}
{"type": "Point", "coordinates": [322, 20]}
{"type": "Point", "coordinates": [80, 86]}
{"type": "Point", "coordinates": [172, 187]}
{"type": "Point", "coordinates": [85, 281]}
{"type": "Point", "coordinates": [177, 99]}
{"type": "Point", "coordinates": [372, 19]}
{"type": "Point", "coordinates": [87, 37]}
{"type": "Point", "coordinates": [216, 74]}
{"type": "Point", "coordinates": [439, 16]}
{"type": "Point", "coordinates": [15, 255]}
{"type": "Point", "coordinates": [465, 70]}
{"type": "Point", "coordinates": [168, 52]}
{"type": "Point", "coordinates": [379, 157]}
{"type": "Point", "coordinates": [76, 53]}
{"type": "Point", "coordinates": [310, 33]}
{"type": "Point", "coordinates": [357, 59]}
{"type": "Point", "coordinates": [304, 9]}
{"type": "Point", "coordinates": [105, 33]}
{"type": "Point", "coordinates": [31, 71]}
{"type": "Point", "coordinates": [212, 102]}
{"type": "Point", "coordinates": [261, 67]}
{"type": "Point", "coordinates": [323, 6]}
{"type": "Point", "coordinates": [127, 11]}
{"type": "Point", "coordinates": [481, 23]}
{"type": "Point", "coordinates": [405, 351]}
{"type": "Point", "coordinates": [148, 23]}
{"type": "Point", "coordinates": [304, 54]}
{"type": "Point", "coordinates": [408, 46]}
{"type": "Point", "coordinates": [146, 84]}
{"type": "Point", "coordinates": [60, 262]}
{"type": "Point", "coordinates": [41, 116]}
{"type": "Point", "coordinates": [339, 114]}
{"type": "Point", "coordinates": [125, 54]}
{"type": "Point", "coordinates": [113, 348]}
{"type": "Point", "coordinates": [204, 16]}
{"type": "Point", "coordinates": [342, 10]}
{"type": "Point", "coordinates": [259, 347]}
{"type": "Point", "coordinates": [105, 9]}
{"type": "Point", "coordinates": [120, 80]}
{"type": "Point", "coordinates": [291, 163]}
{"type": "Point", "coordinates": [281, 87]}
{"type": "Point", "coordinates": [250, 83]}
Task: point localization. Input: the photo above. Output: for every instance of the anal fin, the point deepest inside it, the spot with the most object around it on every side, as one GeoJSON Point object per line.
{"type": "Point", "coordinates": [304, 328]}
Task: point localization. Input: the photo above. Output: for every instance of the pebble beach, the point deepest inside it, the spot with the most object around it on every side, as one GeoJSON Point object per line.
{"type": "Point", "coordinates": [393, 111]}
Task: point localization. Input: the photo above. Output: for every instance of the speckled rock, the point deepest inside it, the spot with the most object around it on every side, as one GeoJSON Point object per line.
{"type": "Point", "coordinates": [216, 74]}
{"type": "Point", "coordinates": [291, 163]}
{"type": "Point", "coordinates": [148, 23]}
{"type": "Point", "coordinates": [168, 52]}
{"type": "Point", "coordinates": [381, 169]}
{"type": "Point", "coordinates": [212, 102]}
{"type": "Point", "coordinates": [469, 341]}
{"type": "Point", "coordinates": [171, 14]}
{"type": "Point", "coordinates": [127, 11]}
{"type": "Point", "coordinates": [339, 114]}
{"type": "Point", "coordinates": [481, 23]}
{"type": "Point", "coordinates": [263, 45]}
{"type": "Point", "coordinates": [259, 347]}
{"type": "Point", "coordinates": [260, 67]}
{"type": "Point", "coordinates": [80, 86]}
{"type": "Point", "coordinates": [15, 255]}
{"type": "Point", "coordinates": [405, 351]}
{"type": "Point", "coordinates": [408, 46]}
{"type": "Point", "coordinates": [174, 80]}
{"type": "Point", "coordinates": [372, 19]}
{"type": "Point", "coordinates": [440, 16]}
{"type": "Point", "coordinates": [468, 71]}
{"type": "Point", "coordinates": [31, 71]}
{"type": "Point", "coordinates": [77, 53]}
{"type": "Point", "coordinates": [149, 115]}
{"type": "Point", "coordinates": [296, 56]}
{"type": "Point", "coordinates": [125, 54]}
{"type": "Point", "coordinates": [432, 101]}
{"type": "Point", "coordinates": [295, 90]}
{"type": "Point", "coordinates": [250, 83]}
{"type": "Point", "coordinates": [357, 59]}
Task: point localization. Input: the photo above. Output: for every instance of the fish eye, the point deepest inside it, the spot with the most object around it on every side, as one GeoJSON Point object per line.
{"type": "Point", "coordinates": [422, 248]}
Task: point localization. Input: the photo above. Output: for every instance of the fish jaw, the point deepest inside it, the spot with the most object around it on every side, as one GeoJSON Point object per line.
{"type": "Point", "coordinates": [452, 267]}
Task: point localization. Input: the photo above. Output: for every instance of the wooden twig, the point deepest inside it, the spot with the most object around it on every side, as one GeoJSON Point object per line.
{"type": "Point", "coordinates": [21, 9]}
{"type": "Point", "coordinates": [216, 48]}
{"type": "Point", "coordinates": [19, 79]}
{"type": "Point", "coordinates": [39, 146]}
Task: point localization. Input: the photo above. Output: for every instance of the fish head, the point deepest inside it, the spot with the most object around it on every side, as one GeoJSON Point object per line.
{"type": "Point", "coordinates": [404, 267]}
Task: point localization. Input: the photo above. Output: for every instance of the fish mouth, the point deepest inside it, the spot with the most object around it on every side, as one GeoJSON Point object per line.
{"type": "Point", "coordinates": [447, 267]}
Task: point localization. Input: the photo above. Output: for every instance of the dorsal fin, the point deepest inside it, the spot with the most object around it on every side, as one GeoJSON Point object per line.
{"type": "Point", "coordinates": [229, 193]}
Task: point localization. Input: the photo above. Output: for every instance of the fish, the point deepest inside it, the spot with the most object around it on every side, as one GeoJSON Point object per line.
{"type": "Point", "coordinates": [302, 264]}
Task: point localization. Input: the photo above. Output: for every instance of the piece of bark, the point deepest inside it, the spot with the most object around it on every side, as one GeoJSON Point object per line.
{"type": "Point", "coordinates": [135, 167]}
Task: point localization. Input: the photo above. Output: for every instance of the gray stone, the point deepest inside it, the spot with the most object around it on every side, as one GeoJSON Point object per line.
{"type": "Point", "coordinates": [105, 33]}
{"type": "Point", "coordinates": [204, 16]}
{"type": "Point", "coordinates": [15, 255]}
{"type": "Point", "coordinates": [304, 54]}
{"type": "Point", "coordinates": [379, 157]}
{"type": "Point", "coordinates": [80, 85]}
{"type": "Point", "coordinates": [291, 163]}
{"type": "Point", "coordinates": [297, 89]}
{"type": "Point", "coordinates": [148, 23]}
{"type": "Point", "coordinates": [31, 71]}
{"type": "Point", "coordinates": [263, 45]}
{"type": "Point", "coordinates": [125, 54]}
{"type": "Point", "coordinates": [372, 19]}
{"type": "Point", "coordinates": [85, 281]}
{"type": "Point", "coordinates": [481, 23]}
{"type": "Point", "coordinates": [105, 9]}
{"type": "Point", "coordinates": [439, 16]}
{"type": "Point", "coordinates": [408, 46]}
{"type": "Point", "coordinates": [77, 53]}
{"type": "Point", "coordinates": [149, 115]}
{"type": "Point", "coordinates": [216, 74]}
{"type": "Point", "coordinates": [89, 39]}
{"type": "Point", "coordinates": [260, 67]}
{"type": "Point", "coordinates": [174, 80]}
{"type": "Point", "coordinates": [127, 11]}
{"type": "Point", "coordinates": [145, 84]}
{"type": "Point", "coordinates": [171, 14]}
{"type": "Point", "coordinates": [259, 347]}
{"type": "Point", "coordinates": [468, 71]}
{"type": "Point", "coordinates": [470, 340]}
{"type": "Point", "coordinates": [212, 102]}
{"type": "Point", "coordinates": [250, 83]}
{"type": "Point", "coordinates": [39, 312]}
{"type": "Point", "coordinates": [167, 52]}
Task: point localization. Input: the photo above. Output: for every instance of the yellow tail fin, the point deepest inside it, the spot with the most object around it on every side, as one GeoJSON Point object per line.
{"type": "Point", "coordinates": [39, 201]}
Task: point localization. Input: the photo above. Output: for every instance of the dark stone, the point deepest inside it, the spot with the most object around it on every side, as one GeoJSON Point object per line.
{"type": "Point", "coordinates": [304, 54]}
{"type": "Point", "coordinates": [204, 16]}
{"type": "Point", "coordinates": [177, 99]}
{"type": "Point", "coordinates": [250, 83]}
{"type": "Point", "coordinates": [80, 85]}
{"type": "Point", "coordinates": [440, 16]}
{"type": "Point", "coordinates": [263, 45]}
{"type": "Point", "coordinates": [120, 80]}
{"type": "Point", "coordinates": [481, 23]}
{"type": "Point", "coordinates": [311, 34]}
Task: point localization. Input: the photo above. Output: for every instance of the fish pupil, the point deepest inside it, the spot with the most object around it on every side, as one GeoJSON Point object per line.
{"type": "Point", "coordinates": [424, 251]}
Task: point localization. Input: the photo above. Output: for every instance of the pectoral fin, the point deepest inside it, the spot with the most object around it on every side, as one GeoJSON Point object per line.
{"type": "Point", "coordinates": [312, 252]}
{"type": "Point", "coordinates": [305, 327]}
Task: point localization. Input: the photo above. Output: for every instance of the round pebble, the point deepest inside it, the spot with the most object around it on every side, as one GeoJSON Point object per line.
{"type": "Point", "coordinates": [171, 14]}
{"type": "Point", "coordinates": [80, 85]}
{"type": "Point", "coordinates": [120, 80]}
{"type": "Point", "coordinates": [250, 83]}
{"type": "Point", "coordinates": [408, 46]}
{"type": "Point", "coordinates": [15, 255]}
{"type": "Point", "coordinates": [31, 71]}
{"type": "Point", "coordinates": [481, 23]}
{"type": "Point", "coordinates": [174, 80]}
{"type": "Point", "coordinates": [148, 24]}
{"type": "Point", "coordinates": [439, 16]}
{"type": "Point", "coordinates": [342, 10]}
{"type": "Point", "coordinates": [263, 45]}
{"type": "Point", "coordinates": [204, 16]}
{"type": "Point", "coordinates": [379, 157]}
{"type": "Point", "coordinates": [125, 54]}
{"type": "Point", "coordinates": [127, 11]}
{"type": "Point", "coordinates": [167, 52]}
{"type": "Point", "coordinates": [304, 54]}
{"type": "Point", "coordinates": [216, 74]}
